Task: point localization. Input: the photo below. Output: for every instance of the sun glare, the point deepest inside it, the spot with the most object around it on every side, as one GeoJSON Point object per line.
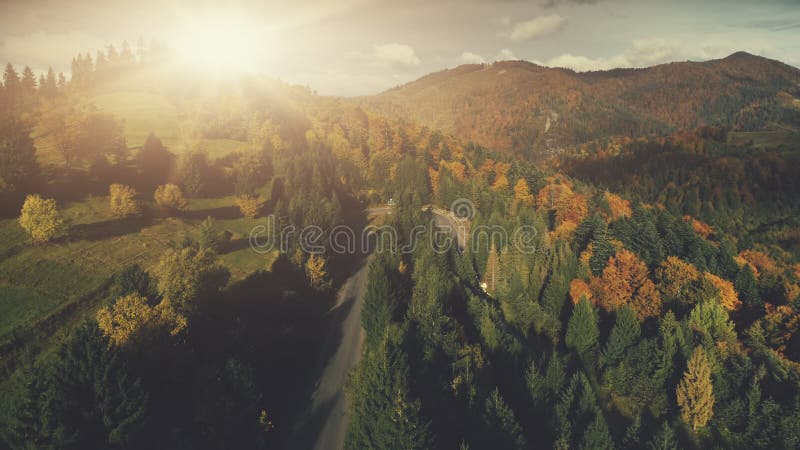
{"type": "Point", "coordinates": [219, 45]}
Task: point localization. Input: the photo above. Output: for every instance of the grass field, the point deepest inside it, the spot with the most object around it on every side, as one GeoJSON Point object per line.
{"type": "Point", "coordinates": [36, 279]}
{"type": "Point", "coordinates": [766, 139]}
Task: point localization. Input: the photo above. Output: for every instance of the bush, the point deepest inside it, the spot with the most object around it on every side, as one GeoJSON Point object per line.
{"type": "Point", "coordinates": [123, 200]}
{"type": "Point", "coordinates": [40, 218]}
{"type": "Point", "coordinates": [170, 197]}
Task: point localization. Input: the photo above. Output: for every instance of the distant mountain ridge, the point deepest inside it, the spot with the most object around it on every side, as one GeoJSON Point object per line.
{"type": "Point", "coordinates": [525, 108]}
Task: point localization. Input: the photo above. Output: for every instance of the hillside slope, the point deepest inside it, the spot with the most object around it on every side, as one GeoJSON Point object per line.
{"type": "Point", "coordinates": [525, 108]}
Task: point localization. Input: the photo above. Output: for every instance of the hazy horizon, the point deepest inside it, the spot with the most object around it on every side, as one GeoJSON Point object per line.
{"type": "Point", "coordinates": [361, 47]}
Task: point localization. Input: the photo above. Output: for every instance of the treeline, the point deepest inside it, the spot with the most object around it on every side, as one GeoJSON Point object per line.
{"type": "Point", "coordinates": [748, 193]}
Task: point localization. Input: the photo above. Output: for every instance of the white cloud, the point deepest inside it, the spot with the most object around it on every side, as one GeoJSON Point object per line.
{"type": "Point", "coordinates": [472, 58]}
{"type": "Point", "coordinates": [396, 55]}
{"type": "Point", "coordinates": [652, 51]}
{"type": "Point", "coordinates": [505, 55]}
{"type": "Point", "coordinates": [536, 28]}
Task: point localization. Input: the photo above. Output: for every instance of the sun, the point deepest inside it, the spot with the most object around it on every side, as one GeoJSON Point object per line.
{"type": "Point", "coordinates": [220, 44]}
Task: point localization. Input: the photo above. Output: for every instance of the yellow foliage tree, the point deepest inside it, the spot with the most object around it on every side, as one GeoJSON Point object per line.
{"type": "Point", "coordinates": [675, 277]}
{"type": "Point", "coordinates": [727, 294]}
{"type": "Point", "coordinates": [131, 315]}
{"type": "Point", "coordinates": [40, 218]}
{"type": "Point", "coordinates": [522, 192]}
{"type": "Point", "coordinates": [249, 205]}
{"type": "Point", "coordinates": [315, 269]}
{"type": "Point", "coordinates": [619, 206]}
{"type": "Point", "coordinates": [122, 200]}
{"type": "Point", "coordinates": [695, 392]}
{"type": "Point", "coordinates": [170, 197]}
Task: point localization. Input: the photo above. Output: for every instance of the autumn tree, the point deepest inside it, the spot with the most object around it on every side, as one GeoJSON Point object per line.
{"type": "Point", "coordinates": [185, 275]}
{"type": "Point", "coordinates": [523, 193]}
{"type": "Point", "coordinates": [579, 289]}
{"type": "Point", "coordinates": [249, 206]}
{"type": "Point", "coordinates": [675, 279]}
{"type": "Point", "coordinates": [622, 278]}
{"type": "Point", "coordinates": [316, 271]}
{"type": "Point", "coordinates": [169, 197]}
{"type": "Point", "coordinates": [40, 218]}
{"type": "Point", "coordinates": [727, 295]}
{"type": "Point", "coordinates": [122, 200]}
{"type": "Point", "coordinates": [695, 393]}
{"type": "Point", "coordinates": [131, 315]}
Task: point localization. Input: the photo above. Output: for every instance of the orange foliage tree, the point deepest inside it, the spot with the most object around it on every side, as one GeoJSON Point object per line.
{"type": "Point", "coordinates": [577, 289]}
{"type": "Point", "coordinates": [619, 206]}
{"type": "Point", "coordinates": [727, 295]}
{"type": "Point", "coordinates": [621, 279]}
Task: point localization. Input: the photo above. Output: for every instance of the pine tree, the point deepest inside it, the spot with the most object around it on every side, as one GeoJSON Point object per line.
{"type": "Point", "coordinates": [493, 274]}
{"type": "Point", "coordinates": [11, 81]}
{"type": "Point", "coordinates": [28, 82]}
{"type": "Point", "coordinates": [747, 288]}
{"type": "Point", "coordinates": [597, 436]}
{"type": "Point", "coordinates": [664, 440]}
{"type": "Point", "coordinates": [582, 330]}
{"type": "Point", "coordinates": [380, 300]}
{"type": "Point", "coordinates": [625, 333]}
{"type": "Point", "coordinates": [504, 430]}
{"type": "Point", "coordinates": [210, 238]}
{"type": "Point", "coordinates": [383, 416]}
{"type": "Point", "coordinates": [695, 393]}
{"type": "Point", "coordinates": [602, 249]}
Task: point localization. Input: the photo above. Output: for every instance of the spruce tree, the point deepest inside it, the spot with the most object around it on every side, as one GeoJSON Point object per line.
{"type": "Point", "coordinates": [582, 330]}
{"type": "Point", "coordinates": [747, 287]}
{"type": "Point", "coordinates": [597, 436]}
{"type": "Point", "coordinates": [602, 249]}
{"type": "Point", "coordinates": [625, 333]}
{"type": "Point", "coordinates": [504, 431]}
{"type": "Point", "coordinates": [664, 440]}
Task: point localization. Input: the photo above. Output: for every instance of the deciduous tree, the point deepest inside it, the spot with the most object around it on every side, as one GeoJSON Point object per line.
{"type": "Point", "coordinates": [122, 200]}
{"type": "Point", "coordinates": [695, 393]}
{"type": "Point", "coordinates": [40, 218]}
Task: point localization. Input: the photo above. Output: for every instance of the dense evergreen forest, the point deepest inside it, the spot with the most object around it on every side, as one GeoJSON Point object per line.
{"type": "Point", "coordinates": [655, 305]}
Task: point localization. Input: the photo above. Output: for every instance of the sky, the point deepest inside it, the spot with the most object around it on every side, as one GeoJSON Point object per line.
{"type": "Point", "coordinates": [362, 47]}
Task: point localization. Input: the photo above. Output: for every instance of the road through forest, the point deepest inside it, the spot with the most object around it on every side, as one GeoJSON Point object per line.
{"type": "Point", "coordinates": [323, 425]}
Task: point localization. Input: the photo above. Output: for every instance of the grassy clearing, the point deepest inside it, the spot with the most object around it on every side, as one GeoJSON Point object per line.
{"type": "Point", "coordinates": [42, 277]}
{"type": "Point", "coordinates": [765, 139]}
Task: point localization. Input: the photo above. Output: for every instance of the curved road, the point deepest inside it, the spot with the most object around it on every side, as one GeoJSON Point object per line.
{"type": "Point", "coordinates": [323, 425]}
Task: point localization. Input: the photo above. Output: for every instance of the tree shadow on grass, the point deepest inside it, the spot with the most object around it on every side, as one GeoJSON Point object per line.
{"type": "Point", "coordinates": [108, 229]}
{"type": "Point", "coordinates": [220, 213]}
